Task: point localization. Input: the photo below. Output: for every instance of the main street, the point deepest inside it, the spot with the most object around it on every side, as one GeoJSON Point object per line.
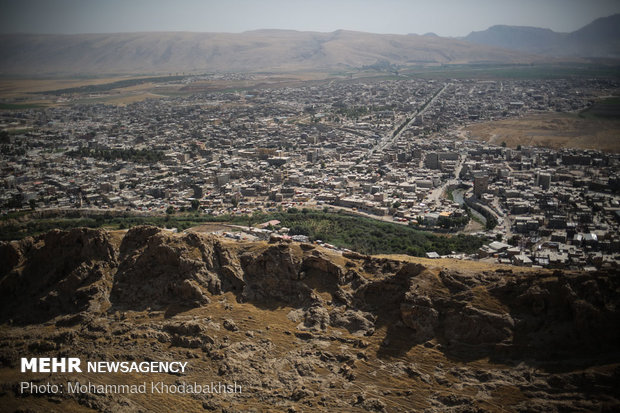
{"type": "Point", "coordinates": [391, 137]}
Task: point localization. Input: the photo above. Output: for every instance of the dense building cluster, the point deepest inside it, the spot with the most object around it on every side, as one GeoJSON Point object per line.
{"type": "Point", "coordinates": [391, 149]}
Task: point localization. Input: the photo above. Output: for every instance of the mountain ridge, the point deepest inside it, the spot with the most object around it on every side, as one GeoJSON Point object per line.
{"type": "Point", "coordinates": [261, 50]}
{"type": "Point", "coordinates": [291, 50]}
{"type": "Point", "coordinates": [600, 38]}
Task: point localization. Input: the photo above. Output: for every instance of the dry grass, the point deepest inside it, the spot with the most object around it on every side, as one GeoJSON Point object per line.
{"type": "Point", "coordinates": [210, 227]}
{"type": "Point", "coordinates": [485, 301]}
{"type": "Point", "coordinates": [460, 265]}
{"type": "Point", "coordinates": [551, 130]}
{"type": "Point", "coordinates": [10, 403]}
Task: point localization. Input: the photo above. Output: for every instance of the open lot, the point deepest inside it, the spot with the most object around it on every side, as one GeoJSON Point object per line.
{"type": "Point", "coordinates": [551, 130]}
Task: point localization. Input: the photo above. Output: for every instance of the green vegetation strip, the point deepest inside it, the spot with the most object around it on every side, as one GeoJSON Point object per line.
{"type": "Point", "coordinates": [517, 71]}
{"type": "Point", "coordinates": [360, 234]}
{"type": "Point", "coordinates": [19, 225]}
{"type": "Point", "coordinates": [605, 109]}
{"type": "Point", "coordinates": [371, 236]}
{"type": "Point", "coordinates": [114, 85]}
{"type": "Point", "coordinates": [19, 106]}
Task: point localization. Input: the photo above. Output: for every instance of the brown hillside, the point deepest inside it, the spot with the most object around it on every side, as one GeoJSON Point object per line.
{"type": "Point", "coordinates": [172, 52]}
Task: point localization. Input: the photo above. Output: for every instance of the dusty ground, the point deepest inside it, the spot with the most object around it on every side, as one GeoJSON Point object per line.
{"type": "Point", "coordinates": [551, 130]}
{"type": "Point", "coordinates": [210, 228]}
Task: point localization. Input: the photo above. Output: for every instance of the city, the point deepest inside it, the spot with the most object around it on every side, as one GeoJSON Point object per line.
{"type": "Point", "coordinates": [330, 206]}
{"type": "Point", "coordinates": [392, 149]}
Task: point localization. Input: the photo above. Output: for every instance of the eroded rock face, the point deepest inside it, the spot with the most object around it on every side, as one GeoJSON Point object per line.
{"type": "Point", "coordinates": [279, 261]}
{"type": "Point", "coordinates": [470, 325]}
{"type": "Point", "coordinates": [418, 314]}
{"type": "Point", "coordinates": [362, 334]}
{"type": "Point", "coordinates": [56, 273]}
{"type": "Point", "coordinates": [74, 273]}
{"type": "Point", "coordinates": [315, 318]}
{"type": "Point", "coordinates": [564, 313]}
{"type": "Point", "coordinates": [10, 255]}
{"type": "Point", "coordinates": [385, 294]}
{"type": "Point", "coordinates": [541, 315]}
{"type": "Point", "coordinates": [321, 263]}
{"type": "Point", "coordinates": [274, 274]}
{"type": "Point", "coordinates": [157, 269]}
{"type": "Point", "coordinates": [355, 322]}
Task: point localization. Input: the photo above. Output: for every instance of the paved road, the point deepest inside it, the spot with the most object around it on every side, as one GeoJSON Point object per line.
{"type": "Point", "coordinates": [390, 138]}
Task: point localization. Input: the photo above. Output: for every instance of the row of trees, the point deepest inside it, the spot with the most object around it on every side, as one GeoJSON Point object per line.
{"type": "Point", "coordinates": [370, 236]}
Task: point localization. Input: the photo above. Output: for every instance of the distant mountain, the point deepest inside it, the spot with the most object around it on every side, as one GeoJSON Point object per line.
{"type": "Point", "coordinates": [601, 38]}
{"type": "Point", "coordinates": [275, 50]}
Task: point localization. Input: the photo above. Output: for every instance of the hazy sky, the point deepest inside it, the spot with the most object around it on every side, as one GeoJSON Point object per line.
{"type": "Point", "coordinates": [444, 17]}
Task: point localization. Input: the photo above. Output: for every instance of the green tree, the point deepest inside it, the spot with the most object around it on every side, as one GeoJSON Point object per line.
{"type": "Point", "coordinates": [491, 222]}
{"type": "Point", "coordinates": [15, 201]}
{"type": "Point", "coordinates": [195, 204]}
{"type": "Point", "coordinates": [253, 217]}
{"type": "Point", "coordinates": [170, 210]}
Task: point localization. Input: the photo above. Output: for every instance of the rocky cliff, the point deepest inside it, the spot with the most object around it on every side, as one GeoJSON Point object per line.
{"type": "Point", "coordinates": [307, 329]}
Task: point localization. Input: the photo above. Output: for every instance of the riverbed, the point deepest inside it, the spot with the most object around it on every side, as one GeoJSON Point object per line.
{"type": "Point", "coordinates": [458, 195]}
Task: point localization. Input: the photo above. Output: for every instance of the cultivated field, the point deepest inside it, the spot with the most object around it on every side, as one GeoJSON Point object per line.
{"type": "Point", "coordinates": [122, 90]}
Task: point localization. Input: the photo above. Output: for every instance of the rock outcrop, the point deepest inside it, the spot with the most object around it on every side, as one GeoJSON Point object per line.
{"type": "Point", "coordinates": [70, 272]}
{"type": "Point", "coordinates": [158, 269]}
{"type": "Point", "coordinates": [60, 272]}
{"type": "Point", "coordinates": [384, 325]}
